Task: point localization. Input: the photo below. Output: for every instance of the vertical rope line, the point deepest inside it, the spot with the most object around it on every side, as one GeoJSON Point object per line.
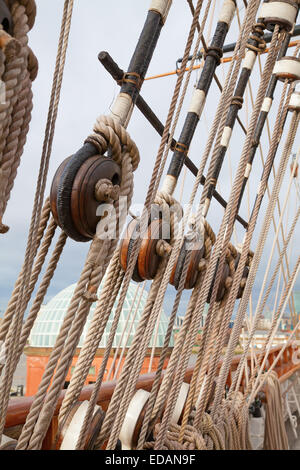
{"type": "Point", "coordinates": [225, 230]}
{"type": "Point", "coordinates": [243, 303]}
{"type": "Point", "coordinates": [270, 208]}
{"type": "Point", "coordinates": [112, 410]}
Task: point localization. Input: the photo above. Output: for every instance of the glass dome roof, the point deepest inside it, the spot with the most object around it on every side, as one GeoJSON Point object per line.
{"type": "Point", "coordinates": [50, 318]}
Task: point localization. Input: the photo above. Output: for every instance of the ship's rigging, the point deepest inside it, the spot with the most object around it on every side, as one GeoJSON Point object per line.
{"type": "Point", "coordinates": [90, 198]}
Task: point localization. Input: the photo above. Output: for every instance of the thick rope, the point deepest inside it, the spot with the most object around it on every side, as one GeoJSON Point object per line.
{"type": "Point", "coordinates": [18, 71]}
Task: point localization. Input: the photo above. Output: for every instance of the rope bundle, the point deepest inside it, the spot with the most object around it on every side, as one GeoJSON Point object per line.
{"type": "Point", "coordinates": [275, 432]}
{"type": "Point", "coordinates": [18, 69]}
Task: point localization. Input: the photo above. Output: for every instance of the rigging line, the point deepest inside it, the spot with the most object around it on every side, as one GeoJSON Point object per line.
{"type": "Point", "coordinates": [263, 234]}
{"type": "Point", "coordinates": [291, 301]}
{"type": "Point", "coordinates": [297, 189]}
{"type": "Point", "coordinates": [209, 279]}
{"type": "Point", "coordinates": [252, 345]}
{"type": "Point", "coordinates": [277, 294]}
{"type": "Point", "coordinates": [229, 219]}
{"type": "Point", "coordinates": [121, 384]}
{"type": "Point", "coordinates": [123, 332]}
{"type": "Point", "coordinates": [280, 312]}
{"type": "Point", "coordinates": [128, 336]}
{"type": "Point", "coordinates": [272, 280]}
{"type": "Point", "coordinates": [145, 109]}
{"type": "Point", "coordinates": [154, 342]}
{"type": "Point", "coordinates": [32, 247]}
{"type": "Point", "coordinates": [224, 60]}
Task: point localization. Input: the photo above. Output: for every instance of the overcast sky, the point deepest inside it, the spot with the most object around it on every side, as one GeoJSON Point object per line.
{"type": "Point", "coordinates": [89, 91]}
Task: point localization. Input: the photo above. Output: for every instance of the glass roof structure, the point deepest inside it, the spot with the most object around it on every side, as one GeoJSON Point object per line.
{"type": "Point", "coordinates": [50, 318]}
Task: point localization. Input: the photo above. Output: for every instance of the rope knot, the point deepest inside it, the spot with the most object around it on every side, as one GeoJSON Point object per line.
{"type": "Point", "coordinates": [106, 191]}
{"type": "Point", "coordinates": [108, 132]}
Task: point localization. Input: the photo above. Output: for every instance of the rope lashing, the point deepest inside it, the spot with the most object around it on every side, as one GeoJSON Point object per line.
{"type": "Point", "coordinates": [18, 69]}
{"type": "Point", "coordinates": [106, 180]}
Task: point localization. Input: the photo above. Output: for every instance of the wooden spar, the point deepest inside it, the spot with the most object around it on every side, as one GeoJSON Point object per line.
{"type": "Point", "coordinates": [122, 110]}
{"type": "Point", "coordinates": [262, 118]}
{"type": "Point", "coordinates": [212, 60]}
{"type": "Point", "coordinates": [18, 408]}
{"type": "Point", "coordinates": [117, 74]}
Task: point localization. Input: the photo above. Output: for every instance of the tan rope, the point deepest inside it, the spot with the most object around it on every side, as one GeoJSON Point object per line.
{"type": "Point", "coordinates": [267, 221]}
{"type": "Point", "coordinates": [275, 432]}
{"type": "Point", "coordinates": [15, 112]}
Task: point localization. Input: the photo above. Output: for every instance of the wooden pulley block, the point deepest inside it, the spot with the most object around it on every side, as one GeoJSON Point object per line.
{"type": "Point", "coordinates": [126, 248]}
{"type": "Point", "coordinates": [70, 431]}
{"type": "Point", "coordinates": [193, 268]}
{"type": "Point", "coordinates": [79, 186]}
{"type": "Point", "coordinates": [149, 257]}
{"type": "Point", "coordinates": [222, 285]}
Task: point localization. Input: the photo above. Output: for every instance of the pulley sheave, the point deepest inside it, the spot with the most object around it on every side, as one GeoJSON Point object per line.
{"type": "Point", "coordinates": [75, 196]}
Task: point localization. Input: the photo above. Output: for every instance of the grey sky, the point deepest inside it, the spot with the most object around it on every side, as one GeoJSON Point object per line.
{"type": "Point", "coordinates": [88, 91]}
